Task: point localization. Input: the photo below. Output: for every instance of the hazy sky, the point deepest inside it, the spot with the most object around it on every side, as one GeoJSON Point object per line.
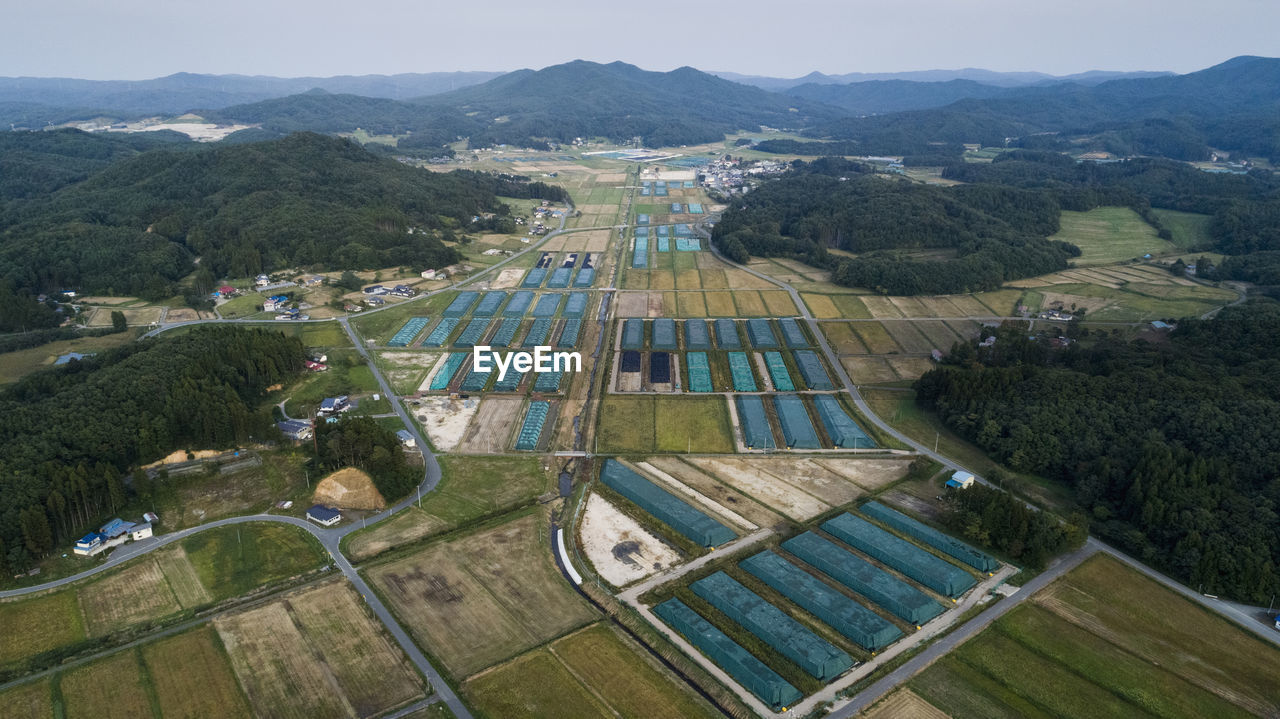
{"type": "Point", "coordinates": [135, 39]}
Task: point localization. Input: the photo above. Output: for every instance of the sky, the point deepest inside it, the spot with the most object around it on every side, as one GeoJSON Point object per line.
{"type": "Point", "coordinates": [138, 39]}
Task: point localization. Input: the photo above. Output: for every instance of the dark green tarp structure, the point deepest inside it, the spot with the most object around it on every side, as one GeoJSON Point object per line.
{"type": "Point", "coordinates": [509, 382]}
{"type": "Point", "coordinates": [791, 333]}
{"type": "Point", "coordinates": [535, 277]}
{"type": "Point", "coordinates": [778, 372]}
{"type": "Point", "coordinates": [670, 509]}
{"type": "Point", "coordinates": [761, 333]}
{"type": "Point", "coordinates": [506, 332]}
{"type": "Point", "coordinates": [518, 305]}
{"type": "Point", "coordinates": [475, 381]}
{"type": "Point", "coordinates": [440, 333]}
{"type": "Point", "coordinates": [797, 428]}
{"type": "Point", "coordinates": [461, 304]}
{"type": "Point", "coordinates": [490, 303]}
{"type": "Point", "coordinates": [445, 374]}
{"type": "Point", "coordinates": [740, 370]}
{"type": "Point", "coordinates": [537, 332]}
{"type": "Point", "coordinates": [778, 629]}
{"type": "Point", "coordinates": [664, 334]}
{"type": "Point", "coordinates": [815, 375]}
{"type": "Point", "coordinates": [699, 371]}
{"type": "Point", "coordinates": [727, 335]}
{"type": "Point", "coordinates": [937, 574]}
{"type": "Point", "coordinates": [569, 335]}
{"type": "Point", "coordinates": [861, 625]}
{"type": "Point", "coordinates": [575, 305]}
{"type": "Point", "coordinates": [547, 306]}
{"type": "Point", "coordinates": [841, 428]}
{"type": "Point", "coordinates": [756, 433]}
{"type": "Point", "coordinates": [560, 277]}
{"type": "Point", "coordinates": [547, 382]}
{"type": "Point", "coordinates": [944, 543]}
{"type": "Point", "coordinates": [863, 577]}
{"type": "Point", "coordinates": [696, 335]}
{"type": "Point", "coordinates": [738, 662]}
{"type": "Point", "coordinates": [531, 427]}
{"type": "Point", "coordinates": [474, 330]}
{"type": "Point", "coordinates": [632, 334]}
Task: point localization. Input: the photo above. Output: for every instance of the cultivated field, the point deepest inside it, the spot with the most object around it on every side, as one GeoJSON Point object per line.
{"type": "Point", "coordinates": [664, 424]}
{"type": "Point", "coordinates": [1107, 235]}
{"type": "Point", "coordinates": [717, 491]}
{"type": "Point", "coordinates": [1106, 641]}
{"type": "Point", "coordinates": [483, 597]}
{"type": "Point", "coordinates": [192, 677]}
{"type": "Point", "coordinates": [28, 700]}
{"type": "Point", "coordinates": [110, 688]}
{"type": "Point", "coordinates": [904, 704]}
{"type": "Point", "coordinates": [491, 430]}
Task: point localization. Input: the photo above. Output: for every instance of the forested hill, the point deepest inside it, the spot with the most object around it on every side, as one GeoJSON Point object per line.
{"type": "Point", "coordinates": [69, 435]}
{"type": "Point", "coordinates": [557, 104]}
{"type": "Point", "coordinates": [880, 96]}
{"type": "Point", "coordinates": [1171, 448]}
{"type": "Point", "coordinates": [980, 235]}
{"type": "Point", "coordinates": [137, 225]}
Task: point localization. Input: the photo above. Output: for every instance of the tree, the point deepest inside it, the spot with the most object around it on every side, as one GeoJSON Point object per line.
{"type": "Point", "coordinates": [118, 322]}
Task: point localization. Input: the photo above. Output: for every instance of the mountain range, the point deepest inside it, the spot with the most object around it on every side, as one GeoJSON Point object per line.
{"type": "Point", "coordinates": [985, 77]}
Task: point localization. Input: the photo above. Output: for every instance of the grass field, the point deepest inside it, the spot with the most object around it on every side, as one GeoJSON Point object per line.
{"type": "Point", "coordinates": [483, 597]}
{"type": "Point", "coordinates": [594, 672]}
{"type": "Point", "coordinates": [1107, 235]}
{"type": "Point", "coordinates": [28, 700]}
{"type": "Point", "coordinates": [235, 559]}
{"type": "Point", "coordinates": [133, 594]}
{"type": "Point", "coordinates": [1105, 641]}
{"type": "Point", "coordinates": [1136, 302]}
{"type": "Point", "coordinates": [18, 364]}
{"type": "Point", "coordinates": [110, 688]}
{"type": "Point", "coordinates": [381, 325]}
{"type": "Point", "coordinates": [192, 677]}
{"type": "Point", "coordinates": [1190, 230]}
{"type": "Point", "coordinates": [664, 424]}
{"type": "Point", "coordinates": [471, 487]}
{"type": "Point", "coordinates": [33, 626]}
{"type": "Point", "coordinates": [347, 374]}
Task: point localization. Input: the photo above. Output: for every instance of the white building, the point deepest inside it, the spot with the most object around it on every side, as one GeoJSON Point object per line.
{"type": "Point", "coordinates": [960, 480]}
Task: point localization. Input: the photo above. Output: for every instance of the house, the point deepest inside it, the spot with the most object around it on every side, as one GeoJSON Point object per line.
{"type": "Point", "coordinates": [352, 308]}
{"type": "Point", "coordinates": [406, 438]}
{"type": "Point", "coordinates": [295, 429]}
{"type": "Point", "coordinates": [402, 291]}
{"type": "Point", "coordinates": [262, 280]}
{"type": "Point", "coordinates": [375, 290]}
{"type": "Point", "coordinates": [375, 302]}
{"type": "Point", "coordinates": [316, 366]}
{"type": "Point", "coordinates": [313, 281]}
{"type": "Point", "coordinates": [140, 532]}
{"type": "Point", "coordinates": [88, 545]}
{"type": "Point", "coordinates": [988, 341]}
{"type": "Point", "coordinates": [428, 274]}
{"type": "Point", "coordinates": [227, 291]}
{"type": "Point", "coordinates": [330, 405]}
{"type": "Point", "coordinates": [150, 517]}
{"type": "Point", "coordinates": [960, 480]}
{"type": "Point", "coordinates": [324, 516]}
{"type": "Point", "coordinates": [115, 528]}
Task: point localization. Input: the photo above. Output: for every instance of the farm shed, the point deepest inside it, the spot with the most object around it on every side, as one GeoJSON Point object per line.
{"type": "Point", "coordinates": [778, 372]}
{"type": "Point", "coordinates": [632, 334]}
{"type": "Point", "coordinates": [569, 335]}
{"type": "Point", "coordinates": [490, 303]}
{"type": "Point", "coordinates": [664, 334]}
{"type": "Point", "coordinates": [791, 332]}
{"type": "Point", "coordinates": [815, 375]}
{"type": "Point", "coordinates": [671, 510]}
{"type": "Point", "coordinates": [756, 433]}
{"type": "Point", "coordinates": [699, 371]}
{"type": "Point", "coordinates": [937, 574]}
{"type": "Point", "coordinates": [324, 516]}
{"type": "Point", "coordinates": [778, 629]}
{"type": "Point", "coordinates": [761, 333]}
{"type": "Point", "coordinates": [461, 304]}
{"type": "Point", "coordinates": [863, 577]}
{"type": "Point", "coordinates": [519, 304]}
{"type": "Point", "coordinates": [506, 332]}
{"type": "Point", "coordinates": [842, 430]}
{"type": "Point", "coordinates": [738, 662]}
{"type": "Point", "coordinates": [696, 335]}
{"type": "Point", "coordinates": [944, 543]}
{"type": "Point", "coordinates": [537, 332]}
{"type": "Point", "coordinates": [797, 428]}
{"type": "Point", "coordinates": [727, 335]}
{"type": "Point", "coordinates": [740, 369]}
{"type": "Point", "coordinates": [861, 625]}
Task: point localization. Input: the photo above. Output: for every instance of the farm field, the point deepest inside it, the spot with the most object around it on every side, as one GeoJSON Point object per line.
{"type": "Point", "coordinates": [478, 599]}
{"type": "Point", "coordinates": [233, 560]}
{"type": "Point", "coordinates": [594, 672]}
{"type": "Point", "coordinates": [1107, 235]}
{"type": "Point", "coordinates": [192, 677]}
{"type": "Point", "coordinates": [20, 363]}
{"type": "Point", "coordinates": [1106, 641]}
{"type": "Point", "coordinates": [471, 487]}
{"type": "Point", "coordinates": [109, 688]}
{"type": "Point", "coordinates": [1190, 230]}
{"type": "Point", "coordinates": [664, 424]}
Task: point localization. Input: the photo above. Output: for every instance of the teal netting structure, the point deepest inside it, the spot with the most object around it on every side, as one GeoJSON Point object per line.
{"type": "Point", "coordinates": [474, 330]}
{"type": "Point", "coordinates": [738, 662]}
{"type": "Point", "coordinates": [405, 335]}
{"type": "Point", "coordinates": [944, 543]}
{"type": "Point", "coordinates": [815, 375]}
{"type": "Point", "coordinates": [843, 431]}
{"type": "Point", "coordinates": [688, 244]}
{"type": "Point", "coordinates": [537, 332]}
{"type": "Point", "coordinates": [531, 427]}
{"type": "Point", "coordinates": [475, 381]}
{"type": "Point", "coordinates": [569, 335]}
{"type": "Point", "coordinates": [695, 208]}
{"type": "Point", "coordinates": [547, 382]}
{"type": "Point", "coordinates": [668, 508]}
{"type": "Point", "coordinates": [490, 303]}
{"type": "Point", "coordinates": [699, 371]}
{"type": "Point", "coordinates": [509, 381]}
{"type": "Point", "coordinates": [740, 370]}
{"type": "Point", "coordinates": [585, 277]}
{"type": "Point", "coordinates": [797, 428]}
{"type": "Point", "coordinates": [863, 577]}
{"type": "Point", "coordinates": [664, 231]}
{"type": "Point", "coordinates": [641, 220]}
{"type": "Point", "coordinates": [937, 574]}
{"type": "Point", "coordinates": [548, 305]}
{"type": "Point", "coordinates": [560, 277]}
{"type": "Point", "coordinates": [676, 208]}
{"type": "Point", "coordinates": [696, 335]}
{"type": "Point", "coordinates": [761, 333]}
{"type": "Point", "coordinates": [791, 333]}
{"type": "Point", "coordinates": [859, 624]}
{"type": "Point", "coordinates": [519, 304]}
{"type": "Point", "coordinates": [444, 375]}
{"type": "Point", "coordinates": [778, 372]}
{"type": "Point", "coordinates": [727, 337]}
{"type": "Point", "coordinates": [756, 433]}
{"type": "Point", "coordinates": [664, 334]}
{"type": "Point", "coordinates": [506, 332]}
{"type": "Point", "coordinates": [440, 333]}
{"type": "Point", "coordinates": [576, 305]}
{"type": "Point", "coordinates": [790, 638]}
{"type": "Point", "coordinates": [632, 334]}
{"type": "Point", "coordinates": [640, 259]}
{"type": "Point", "coordinates": [664, 244]}
{"type": "Point", "coordinates": [461, 304]}
{"type": "Point", "coordinates": [535, 277]}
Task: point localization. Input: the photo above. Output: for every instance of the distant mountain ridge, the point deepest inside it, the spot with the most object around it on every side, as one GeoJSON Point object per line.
{"type": "Point", "coordinates": [986, 77]}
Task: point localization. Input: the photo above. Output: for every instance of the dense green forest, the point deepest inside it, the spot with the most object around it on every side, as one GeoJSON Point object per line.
{"type": "Point", "coordinates": [989, 233]}
{"type": "Point", "coordinates": [68, 436]}
{"type": "Point", "coordinates": [996, 519]}
{"type": "Point", "coordinates": [1169, 446]}
{"type": "Point", "coordinates": [362, 442]}
{"type": "Point", "coordinates": [110, 219]}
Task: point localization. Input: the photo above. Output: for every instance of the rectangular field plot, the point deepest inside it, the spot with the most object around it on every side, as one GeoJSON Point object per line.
{"type": "Point", "coordinates": [908, 337]}
{"type": "Point", "coordinates": [1107, 235]}
{"type": "Point", "coordinates": [665, 506]}
{"type": "Point", "coordinates": [110, 688]}
{"type": "Point", "coordinates": [28, 700]}
{"type": "Point", "coordinates": [192, 676]}
{"type": "Point", "coordinates": [868, 370]}
{"type": "Point", "coordinates": [479, 599]}
{"type": "Point", "coordinates": [718, 492]}
{"type": "Point", "coordinates": [841, 337]}
{"type": "Point", "coordinates": [133, 594]}
{"type": "Point", "coordinates": [876, 338]}
{"type": "Point", "coordinates": [766, 488]}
